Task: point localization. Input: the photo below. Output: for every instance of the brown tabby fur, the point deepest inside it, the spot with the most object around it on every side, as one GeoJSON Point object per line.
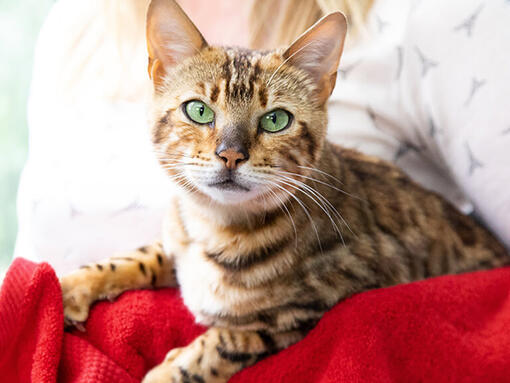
{"type": "Point", "coordinates": [274, 264]}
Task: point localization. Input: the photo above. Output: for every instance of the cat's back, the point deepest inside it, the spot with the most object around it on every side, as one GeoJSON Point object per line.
{"type": "Point", "coordinates": [422, 221]}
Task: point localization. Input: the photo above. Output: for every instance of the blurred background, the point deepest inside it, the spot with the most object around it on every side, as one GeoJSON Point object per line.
{"type": "Point", "coordinates": [20, 22]}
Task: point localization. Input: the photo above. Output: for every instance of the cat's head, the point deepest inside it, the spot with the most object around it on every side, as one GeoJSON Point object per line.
{"type": "Point", "coordinates": [234, 125]}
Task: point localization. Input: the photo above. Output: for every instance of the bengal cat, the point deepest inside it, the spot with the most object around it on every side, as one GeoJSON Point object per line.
{"type": "Point", "coordinates": [271, 224]}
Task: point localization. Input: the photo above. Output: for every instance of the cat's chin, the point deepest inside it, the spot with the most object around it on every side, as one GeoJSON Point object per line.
{"type": "Point", "coordinates": [230, 194]}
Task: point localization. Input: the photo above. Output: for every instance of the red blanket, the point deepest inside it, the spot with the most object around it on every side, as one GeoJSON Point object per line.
{"type": "Point", "coordinates": [449, 329]}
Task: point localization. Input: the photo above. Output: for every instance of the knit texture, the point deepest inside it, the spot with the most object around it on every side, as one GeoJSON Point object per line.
{"type": "Point", "coordinates": [448, 329]}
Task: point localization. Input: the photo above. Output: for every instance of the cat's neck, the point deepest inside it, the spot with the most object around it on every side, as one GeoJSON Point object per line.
{"type": "Point", "coordinates": [226, 215]}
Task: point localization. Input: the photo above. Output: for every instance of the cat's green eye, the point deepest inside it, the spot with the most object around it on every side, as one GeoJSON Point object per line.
{"type": "Point", "coordinates": [275, 121]}
{"type": "Point", "coordinates": [199, 112]}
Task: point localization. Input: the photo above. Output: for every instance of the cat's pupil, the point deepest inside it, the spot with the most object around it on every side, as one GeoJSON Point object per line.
{"type": "Point", "coordinates": [201, 110]}
{"type": "Point", "coordinates": [273, 118]}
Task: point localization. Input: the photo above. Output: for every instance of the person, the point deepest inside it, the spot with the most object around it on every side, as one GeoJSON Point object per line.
{"type": "Point", "coordinates": [421, 83]}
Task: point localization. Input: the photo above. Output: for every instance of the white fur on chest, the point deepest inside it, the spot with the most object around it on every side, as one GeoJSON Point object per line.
{"type": "Point", "coordinates": [200, 284]}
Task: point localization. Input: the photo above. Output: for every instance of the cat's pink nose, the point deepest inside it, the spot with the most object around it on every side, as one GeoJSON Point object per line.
{"type": "Point", "coordinates": [232, 157]}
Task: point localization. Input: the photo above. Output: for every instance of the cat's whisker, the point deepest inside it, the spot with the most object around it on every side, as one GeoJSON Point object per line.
{"type": "Point", "coordinates": [173, 164]}
{"type": "Point", "coordinates": [313, 180]}
{"type": "Point", "coordinates": [319, 200]}
{"type": "Point", "coordinates": [332, 177]}
{"type": "Point", "coordinates": [285, 61]}
{"type": "Point", "coordinates": [325, 199]}
{"type": "Point", "coordinates": [298, 200]}
{"type": "Point", "coordinates": [173, 154]}
{"type": "Point", "coordinates": [320, 171]}
{"type": "Point", "coordinates": [173, 168]}
{"type": "Point", "coordinates": [178, 178]}
{"type": "Point", "coordinates": [169, 152]}
{"type": "Point", "coordinates": [169, 164]}
{"type": "Point", "coordinates": [175, 157]}
{"type": "Point", "coordinates": [326, 202]}
{"type": "Point", "coordinates": [320, 182]}
{"type": "Point", "coordinates": [178, 174]}
{"type": "Point", "coordinates": [186, 185]}
{"type": "Point", "coordinates": [284, 209]}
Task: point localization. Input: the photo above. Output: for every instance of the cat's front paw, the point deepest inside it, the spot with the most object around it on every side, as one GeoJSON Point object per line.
{"type": "Point", "coordinates": [167, 372]}
{"type": "Point", "coordinates": [178, 367]}
{"type": "Point", "coordinates": [77, 294]}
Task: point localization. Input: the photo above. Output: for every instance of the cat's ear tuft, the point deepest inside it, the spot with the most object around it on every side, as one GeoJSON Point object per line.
{"type": "Point", "coordinates": [171, 37]}
{"type": "Point", "coordinates": [318, 50]}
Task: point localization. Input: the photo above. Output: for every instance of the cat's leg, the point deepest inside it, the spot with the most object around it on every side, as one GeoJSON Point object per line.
{"type": "Point", "coordinates": [144, 268]}
{"type": "Point", "coordinates": [217, 355]}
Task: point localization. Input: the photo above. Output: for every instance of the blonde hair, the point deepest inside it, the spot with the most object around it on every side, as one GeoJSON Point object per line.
{"type": "Point", "coordinates": [94, 49]}
{"type": "Point", "coordinates": [97, 48]}
{"type": "Point", "coordinates": [293, 17]}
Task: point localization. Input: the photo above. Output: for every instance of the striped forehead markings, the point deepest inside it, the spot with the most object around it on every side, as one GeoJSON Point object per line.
{"type": "Point", "coordinates": [215, 91]}
{"type": "Point", "coordinates": [263, 96]}
{"type": "Point", "coordinates": [241, 70]}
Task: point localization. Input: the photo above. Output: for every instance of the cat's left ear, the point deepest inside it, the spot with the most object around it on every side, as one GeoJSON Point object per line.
{"type": "Point", "coordinates": [318, 50]}
{"type": "Point", "coordinates": [171, 37]}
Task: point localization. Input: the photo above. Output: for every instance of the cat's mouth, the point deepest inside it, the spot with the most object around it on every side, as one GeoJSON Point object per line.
{"type": "Point", "coordinates": [229, 185]}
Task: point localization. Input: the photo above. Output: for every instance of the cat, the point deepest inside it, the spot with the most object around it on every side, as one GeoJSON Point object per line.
{"type": "Point", "coordinates": [272, 225]}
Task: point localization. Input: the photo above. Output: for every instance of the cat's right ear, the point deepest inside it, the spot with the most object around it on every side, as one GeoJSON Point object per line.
{"type": "Point", "coordinates": [318, 50]}
{"type": "Point", "coordinates": [171, 37]}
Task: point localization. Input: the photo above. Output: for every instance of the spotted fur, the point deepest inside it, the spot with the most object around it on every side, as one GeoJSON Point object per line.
{"type": "Point", "coordinates": [316, 223]}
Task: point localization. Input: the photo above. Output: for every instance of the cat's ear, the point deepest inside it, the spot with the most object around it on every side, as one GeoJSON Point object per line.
{"type": "Point", "coordinates": [318, 50]}
{"type": "Point", "coordinates": [171, 37]}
